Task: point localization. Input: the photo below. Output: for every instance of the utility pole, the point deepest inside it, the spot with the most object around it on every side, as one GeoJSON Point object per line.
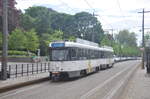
{"type": "Point", "coordinates": [5, 39]}
{"type": "Point", "coordinates": [143, 40]}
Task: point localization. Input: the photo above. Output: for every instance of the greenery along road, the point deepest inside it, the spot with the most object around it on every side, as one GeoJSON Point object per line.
{"type": "Point", "coordinates": [38, 26]}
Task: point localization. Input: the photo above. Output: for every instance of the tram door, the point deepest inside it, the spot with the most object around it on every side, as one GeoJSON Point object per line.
{"type": "Point", "coordinates": [148, 61]}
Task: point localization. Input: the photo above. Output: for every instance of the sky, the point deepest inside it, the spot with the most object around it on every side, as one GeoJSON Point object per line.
{"type": "Point", "coordinates": [113, 14]}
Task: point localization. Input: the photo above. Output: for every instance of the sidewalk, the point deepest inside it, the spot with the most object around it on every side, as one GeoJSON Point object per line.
{"type": "Point", "coordinates": [138, 87]}
{"type": "Point", "coordinates": [13, 83]}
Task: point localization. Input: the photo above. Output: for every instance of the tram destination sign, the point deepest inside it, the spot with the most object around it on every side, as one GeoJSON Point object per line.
{"type": "Point", "coordinates": [57, 45]}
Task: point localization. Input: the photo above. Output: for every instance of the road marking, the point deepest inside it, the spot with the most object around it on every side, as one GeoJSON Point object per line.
{"type": "Point", "coordinates": [92, 91]}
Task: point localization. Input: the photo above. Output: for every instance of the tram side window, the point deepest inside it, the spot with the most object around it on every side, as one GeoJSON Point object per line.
{"type": "Point", "coordinates": [73, 53]}
{"type": "Point", "coordinates": [102, 54]}
{"type": "Point", "coordinates": [88, 54]}
{"type": "Point", "coordinates": [107, 54]}
{"type": "Point", "coordinates": [79, 54]}
{"type": "Point", "coordinates": [92, 54]}
{"type": "Point", "coordinates": [111, 55]}
{"type": "Point", "coordinates": [97, 54]}
{"type": "Point", "coordinates": [84, 55]}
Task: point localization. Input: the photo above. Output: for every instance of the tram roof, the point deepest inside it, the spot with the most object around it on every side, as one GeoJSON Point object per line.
{"type": "Point", "coordinates": [79, 45]}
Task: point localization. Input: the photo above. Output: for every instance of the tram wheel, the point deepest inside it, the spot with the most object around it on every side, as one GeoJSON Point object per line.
{"type": "Point", "coordinates": [83, 73]}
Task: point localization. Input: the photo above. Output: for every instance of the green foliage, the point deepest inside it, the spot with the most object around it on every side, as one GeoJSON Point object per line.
{"type": "Point", "coordinates": [125, 44]}
{"type": "Point", "coordinates": [45, 20]}
{"type": "Point", "coordinates": [125, 50]}
{"type": "Point", "coordinates": [147, 38]}
{"type": "Point", "coordinates": [27, 21]}
{"type": "Point", "coordinates": [126, 38]}
{"type": "Point", "coordinates": [17, 40]}
{"type": "Point", "coordinates": [130, 51]}
{"type": "Point", "coordinates": [51, 25]}
{"type": "Point", "coordinates": [106, 41]}
{"type": "Point", "coordinates": [47, 38]}
{"type": "Point", "coordinates": [23, 40]}
{"type": "Point", "coordinates": [88, 25]}
{"type": "Point", "coordinates": [32, 40]}
{"type": "Point", "coordinates": [71, 38]}
{"type": "Point", "coordinates": [38, 18]}
{"type": "Point", "coordinates": [117, 48]}
{"type": "Point", "coordinates": [17, 53]}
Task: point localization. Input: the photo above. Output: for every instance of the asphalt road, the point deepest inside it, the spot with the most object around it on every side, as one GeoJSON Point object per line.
{"type": "Point", "coordinates": [99, 85]}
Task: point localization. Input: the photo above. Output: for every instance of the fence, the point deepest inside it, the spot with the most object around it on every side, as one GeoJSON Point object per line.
{"type": "Point", "coordinates": [18, 70]}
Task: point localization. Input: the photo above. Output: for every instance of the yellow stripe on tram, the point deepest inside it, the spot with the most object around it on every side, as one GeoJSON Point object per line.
{"type": "Point", "coordinates": [89, 66]}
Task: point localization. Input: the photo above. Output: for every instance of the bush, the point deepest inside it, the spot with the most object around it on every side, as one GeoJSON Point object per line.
{"type": "Point", "coordinates": [18, 53]}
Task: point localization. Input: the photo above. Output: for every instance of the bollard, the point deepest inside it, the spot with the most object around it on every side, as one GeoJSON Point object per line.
{"type": "Point", "coordinates": [41, 67]}
{"type": "Point", "coordinates": [16, 70]}
{"type": "Point", "coordinates": [32, 68]}
{"type": "Point", "coordinates": [22, 69]}
{"type": "Point", "coordinates": [45, 67]}
{"type": "Point", "coordinates": [37, 68]}
{"type": "Point", "coordinates": [27, 69]}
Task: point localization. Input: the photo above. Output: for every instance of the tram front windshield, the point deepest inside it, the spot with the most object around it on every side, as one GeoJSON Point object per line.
{"type": "Point", "coordinates": [59, 55]}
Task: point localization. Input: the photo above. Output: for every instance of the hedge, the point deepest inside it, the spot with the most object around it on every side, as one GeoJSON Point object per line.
{"type": "Point", "coordinates": [18, 53]}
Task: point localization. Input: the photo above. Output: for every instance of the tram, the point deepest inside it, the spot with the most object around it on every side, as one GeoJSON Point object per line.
{"type": "Point", "coordinates": [74, 59]}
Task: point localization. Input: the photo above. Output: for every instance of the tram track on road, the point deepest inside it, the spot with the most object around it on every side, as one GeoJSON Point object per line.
{"type": "Point", "coordinates": [108, 88]}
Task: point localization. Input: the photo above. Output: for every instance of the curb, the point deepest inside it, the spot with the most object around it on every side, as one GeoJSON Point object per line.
{"type": "Point", "coordinates": [121, 86]}
{"type": "Point", "coordinates": [22, 84]}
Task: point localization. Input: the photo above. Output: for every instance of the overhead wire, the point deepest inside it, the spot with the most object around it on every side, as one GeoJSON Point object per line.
{"type": "Point", "coordinates": [91, 7]}
{"type": "Point", "coordinates": [118, 3]}
{"type": "Point", "coordinates": [67, 5]}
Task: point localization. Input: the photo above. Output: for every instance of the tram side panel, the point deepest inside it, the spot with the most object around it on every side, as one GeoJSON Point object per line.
{"type": "Point", "coordinates": [73, 68]}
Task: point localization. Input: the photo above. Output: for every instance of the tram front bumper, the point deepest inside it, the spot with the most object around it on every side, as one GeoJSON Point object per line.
{"type": "Point", "coordinates": [55, 75]}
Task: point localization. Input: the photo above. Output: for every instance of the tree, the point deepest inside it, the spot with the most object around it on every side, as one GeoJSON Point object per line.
{"type": "Point", "coordinates": [45, 20]}
{"type": "Point", "coordinates": [38, 18]}
{"type": "Point", "coordinates": [106, 41]}
{"type": "Point", "coordinates": [125, 44]}
{"type": "Point", "coordinates": [88, 25]}
{"type": "Point", "coordinates": [46, 38]}
{"type": "Point", "coordinates": [126, 38]}
{"type": "Point", "coordinates": [17, 40]}
{"type": "Point", "coordinates": [32, 40]}
{"type": "Point", "coordinates": [63, 22]}
{"type": "Point", "coordinates": [27, 22]}
{"type": "Point", "coordinates": [13, 15]}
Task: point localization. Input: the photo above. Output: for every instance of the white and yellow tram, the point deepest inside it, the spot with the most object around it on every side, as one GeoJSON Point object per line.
{"type": "Point", "coordinates": [73, 59]}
